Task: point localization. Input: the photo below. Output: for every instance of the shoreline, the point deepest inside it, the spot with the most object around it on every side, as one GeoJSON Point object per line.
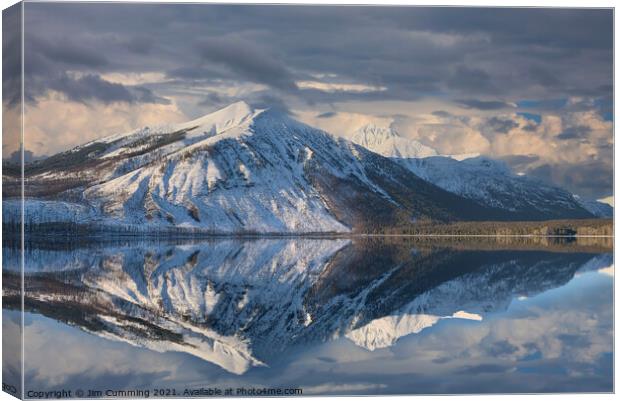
{"type": "Point", "coordinates": [567, 228]}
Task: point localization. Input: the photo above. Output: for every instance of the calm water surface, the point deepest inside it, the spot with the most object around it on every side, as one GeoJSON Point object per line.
{"type": "Point", "coordinates": [329, 316]}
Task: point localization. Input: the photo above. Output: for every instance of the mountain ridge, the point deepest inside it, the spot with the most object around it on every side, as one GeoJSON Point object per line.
{"type": "Point", "coordinates": [244, 170]}
{"type": "Point", "coordinates": [480, 178]}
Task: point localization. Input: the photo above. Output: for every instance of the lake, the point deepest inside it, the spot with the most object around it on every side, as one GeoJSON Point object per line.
{"type": "Point", "coordinates": [384, 315]}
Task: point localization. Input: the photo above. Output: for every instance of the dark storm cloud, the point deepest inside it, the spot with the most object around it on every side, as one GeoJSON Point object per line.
{"type": "Point", "coordinates": [441, 113]}
{"type": "Point", "coordinates": [11, 55]}
{"type": "Point", "coordinates": [140, 44]}
{"type": "Point", "coordinates": [591, 180]}
{"type": "Point", "coordinates": [213, 98]}
{"type": "Point", "coordinates": [500, 125]}
{"type": "Point", "coordinates": [196, 73]}
{"type": "Point", "coordinates": [482, 59]}
{"type": "Point", "coordinates": [46, 70]}
{"type": "Point", "coordinates": [48, 61]}
{"type": "Point", "coordinates": [544, 76]}
{"type": "Point", "coordinates": [543, 104]}
{"type": "Point", "coordinates": [520, 162]}
{"type": "Point", "coordinates": [244, 59]}
{"type": "Point", "coordinates": [51, 53]}
{"type": "Point", "coordinates": [141, 94]}
{"type": "Point", "coordinates": [92, 88]}
{"type": "Point", "coordinates": [509, 50]}
{"type": "Point", "coordinates": [484, 368]}
{"type": "Point", "coordinates": [328, 114]}
{"type": "Point", "coordinates": [269, 101]}
{"type": "Point", "coordinates": [575, 132]}
{"type": "Point", "coordinates": [562, 28]}
{"type": "Point", "coordinates": [65, 52]}
{"type": "Point", "coordinates": [258, 100]}
{"type": "Point", "coordinates": [471, 79]}
{"type": "Point", "coordinates": [483, 104]}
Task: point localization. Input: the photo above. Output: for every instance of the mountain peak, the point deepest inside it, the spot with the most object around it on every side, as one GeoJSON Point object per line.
{"type": "Point", "coordinates": [386, 141]}
{"type": "Point", "coordinates": [376, 131]}
{"type": "Point", "coordinates": [237, 108]}
{"type": "Point", "coordinates": [233, 115]}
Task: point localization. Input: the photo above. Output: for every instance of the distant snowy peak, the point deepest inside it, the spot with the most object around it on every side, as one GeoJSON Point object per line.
{"type": "Point", "coordinates": [486, 181]}
{"type": "Point", "coordinates": [387, 142]}
{"type": "Point", "coordinates": [372, 133]}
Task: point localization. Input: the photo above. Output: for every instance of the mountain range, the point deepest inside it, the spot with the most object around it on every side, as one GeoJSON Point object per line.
{"type": "Point", "coordinates": [479, 178]}
{"type": "Point", "coordinates": [242, 170]}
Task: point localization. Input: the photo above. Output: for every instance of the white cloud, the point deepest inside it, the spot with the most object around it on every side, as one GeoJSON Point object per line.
{"type": "Point", "coordinates": [54, 125]}
{"type": "Point", "coordinates": [48, 361]}
{"type": "Point", "coordinates": [135, 78]}
{"type": "Point", "coordinates": [339, 87]}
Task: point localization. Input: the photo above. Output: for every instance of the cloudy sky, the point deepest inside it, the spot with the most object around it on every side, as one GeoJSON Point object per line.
{"type": "Point", "coordinates": [530, 86]}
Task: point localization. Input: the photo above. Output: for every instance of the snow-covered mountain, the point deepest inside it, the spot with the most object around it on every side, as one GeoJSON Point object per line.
{"type": "Point", "coordinates": [239, 304]}
{"type": "Point", "coordinates": [235, 170]}
{"type": "Point", "coordinates": [484, 180]}
{"type": "Point", "coordinates": [240, 170]}
{"type": "Point", "coordinates": [387, 142]}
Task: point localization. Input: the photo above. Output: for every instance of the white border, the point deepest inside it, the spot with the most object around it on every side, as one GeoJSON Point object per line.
{"type": "Point", "coordinates": [475, 3]}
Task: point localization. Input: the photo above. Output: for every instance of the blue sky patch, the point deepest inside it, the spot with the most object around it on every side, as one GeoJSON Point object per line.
{"type": "Point", "coordinates": [549, 104]}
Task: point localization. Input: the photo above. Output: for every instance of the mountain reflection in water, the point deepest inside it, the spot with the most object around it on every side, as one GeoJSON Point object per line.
{"type": "Point", "coordinates": [241, 304]}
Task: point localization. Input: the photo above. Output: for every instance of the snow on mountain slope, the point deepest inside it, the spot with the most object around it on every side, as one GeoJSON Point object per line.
{"type": "Point", "coordinates": [235, 170]}
{"type": "Point", "coordinates": [479, 178]}
{"type": "Point", "coordinates": [223, 182]}
{"type": "Point", "coordinates": [388, 142]}
{"type": "Point", "coordinates": [492, 183]}
{"type": "Point", "coordinates": [217, 122]}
